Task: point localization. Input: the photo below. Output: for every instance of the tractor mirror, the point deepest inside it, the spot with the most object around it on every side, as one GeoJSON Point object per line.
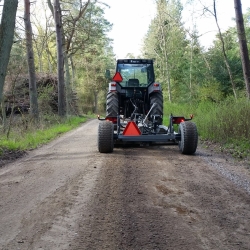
{"type": "Point", "coordinates": [107, 74]}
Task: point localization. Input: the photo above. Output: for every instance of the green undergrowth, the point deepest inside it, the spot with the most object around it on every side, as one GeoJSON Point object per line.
{"type": "Point", "coordinates": [29, 136]}
{"type": "Point", "coordinates": [226, 123]}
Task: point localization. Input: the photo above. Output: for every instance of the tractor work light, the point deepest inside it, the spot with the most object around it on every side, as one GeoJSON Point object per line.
{"type": "Point", "coordinates": [111, 119]}
{"type": "Point", "coordinates": [112, 86]}
{"type": "Point", "coordinates": [156, 87]}
{"type": "Point", "coordinates": [178, 120]}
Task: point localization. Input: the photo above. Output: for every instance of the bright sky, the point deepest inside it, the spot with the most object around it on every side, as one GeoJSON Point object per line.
{"type": "Point", "coordinates": [131, 19]}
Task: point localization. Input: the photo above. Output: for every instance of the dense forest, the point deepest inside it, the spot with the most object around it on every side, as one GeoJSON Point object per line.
{"type": "Point", "coordinates": [59, 53]}
{"type": "Point", "coordinates": [188, 71]}
{"type": "Point", "coordinates": [86, 47]}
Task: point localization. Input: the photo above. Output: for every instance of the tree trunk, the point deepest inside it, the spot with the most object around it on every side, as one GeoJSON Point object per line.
{"type": "Point", "coordinates": [191, 67]}
{"type": "Point", "coordinates": [31, 63]}
{"type": "Point", "coordinates": [243, 45]}
{"type": "Point", "coordinates": [95, 102]}
{"type": "Point", "coordinates": [6, 38]}
{"type": "Point", "coordinates": [72, 68]}
{"type": "Point", "coordinates": [224, 53]}
{"type": "Point", "coordinates": [60, 59]}
{"type": "Point", "coordinates": [164, 50]}
{"type": "Point", "coordinates": [67, 85]}
{"type": "Point", "coordinates": [4, 116]}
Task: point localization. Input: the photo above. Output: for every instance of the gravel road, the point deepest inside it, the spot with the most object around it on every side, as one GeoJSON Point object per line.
{"type": "Point", "coordinates": [66, 195]}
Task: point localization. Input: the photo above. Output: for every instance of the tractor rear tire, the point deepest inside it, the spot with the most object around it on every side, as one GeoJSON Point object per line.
{"type": "Point", "coordinates": [189, 137]}
{"type": "Point", "coordinates": [157, 98]}
{"type": "Point", "coordinates": [112, 104]}
{"type": "Point", "coordinates": [105, 137]}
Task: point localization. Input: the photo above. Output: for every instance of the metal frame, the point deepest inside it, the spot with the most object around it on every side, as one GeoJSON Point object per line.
{"type": "Point", "coordinates": [170, 134]}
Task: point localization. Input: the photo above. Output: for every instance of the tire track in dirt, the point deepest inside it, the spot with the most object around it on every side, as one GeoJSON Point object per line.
{"type": "Point", "coordinates": [156, 198]}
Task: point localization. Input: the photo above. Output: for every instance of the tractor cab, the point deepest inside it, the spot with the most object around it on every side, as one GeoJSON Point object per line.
{"type": "Point", "coordinates": [135, 72]}
{"type": "Point", "coordinates": [134, 78]}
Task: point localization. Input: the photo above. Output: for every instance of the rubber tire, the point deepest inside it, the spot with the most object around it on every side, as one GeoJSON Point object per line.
{"type": "Point", "coordinates": [157, 98]}
{"type": "Point", "coordinates": [189, 137]}
{"type": "Point", "coordinates": [112, 104]}
{"type": "Point", "coordinates": [105, 137]}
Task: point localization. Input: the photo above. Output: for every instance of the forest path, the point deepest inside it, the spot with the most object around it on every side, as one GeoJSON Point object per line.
{"type": "Point", "coordinates": [66, 195]}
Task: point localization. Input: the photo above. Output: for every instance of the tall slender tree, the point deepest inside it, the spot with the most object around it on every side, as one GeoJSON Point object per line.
{"type": "Point", "coordinates": [243, 45]}
{"type": "Point", "coordinates": [6, 38]}
{"type": "Point", "coordinates": [67, 39]}
{"type": "Point", "coordinates": [166, 42]}
{"type": "Point", "coordinates": [60, 58]}
{"type": "Point", "coordinates": [31, 62]}
{"type": "Point", "coordinates": [224, 51]}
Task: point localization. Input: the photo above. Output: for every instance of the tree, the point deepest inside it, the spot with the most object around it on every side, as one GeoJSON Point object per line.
{"type": "Point", "coordinates": [31, 62]}
{"type": "Point", "coordinates": [6, 38]}
{"type": "Point", "coordinates": [94, 69]}
{"type": "Point", "coordinates": [60, 58]}
{"type": "Point", "coordinates": [166, 42]}
{"type": "Point", "coordinates": [217, 68]}
{"type": "Point", "coordinates": [243, 45]}
{"type": "Point", "coordinates": [83, 25]}
{"type": "Point", "coordinates": [72, 24]}
{"type": "Point", "coordinates": [223, 49]}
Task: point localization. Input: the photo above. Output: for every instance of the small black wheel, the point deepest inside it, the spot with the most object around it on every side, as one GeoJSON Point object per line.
{"type": "Point", "coordinates": [189, 137]}
{"type": "Point", "coordinates": [105, 137]}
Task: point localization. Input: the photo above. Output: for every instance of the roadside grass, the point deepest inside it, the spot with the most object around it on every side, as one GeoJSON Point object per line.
{"type": "Point", "coordinates": [25, 138]}
{"type": "Point", "coordinates": [177, 109]}
{"type": "Point", "coordinates": [226, 123]}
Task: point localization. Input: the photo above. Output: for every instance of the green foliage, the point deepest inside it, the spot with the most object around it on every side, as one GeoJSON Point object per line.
{"type": "Point", "coordinates": [226, 122]}
{"type": "Point", "coordinates": [39, 134]}
{"type": "Point", "coordinates": [210, 91]}
{"type": "Point", "coordinates": [88, 51]}
{"type": "Point", "coordinates": [186, 71]}
{"type": "Point", "coordinates": [177, 109]}
{"type": "Point", "coordinates": [179, 64]}
{"type": "Point", "coordinates": [218, 68]}
{"type": "Point", "coordinates": [92, 71]}
{"type": "Point", "coordinates": [44, 99]}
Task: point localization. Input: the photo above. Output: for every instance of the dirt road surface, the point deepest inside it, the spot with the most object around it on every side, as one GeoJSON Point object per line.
{"type": "Point", "coordinates": [66, 195]}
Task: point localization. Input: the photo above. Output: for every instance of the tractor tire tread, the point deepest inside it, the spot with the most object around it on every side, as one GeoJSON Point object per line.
{"type": "Point", "coordinates": [112, 104]}
{"type": "Point", "coordinates": [157, 98]}
{"type": "Point", "coordinates": [105, 137]}
{"type": "Point", "coordinates": [189, 137]}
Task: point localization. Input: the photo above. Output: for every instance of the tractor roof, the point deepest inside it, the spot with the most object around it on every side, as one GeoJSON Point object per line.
{"type": "Point", "coordinates": [135, 61]}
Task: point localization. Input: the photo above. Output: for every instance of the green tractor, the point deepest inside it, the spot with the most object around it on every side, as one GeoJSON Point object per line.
{"type": "Point", "coordinates": [134, 111]}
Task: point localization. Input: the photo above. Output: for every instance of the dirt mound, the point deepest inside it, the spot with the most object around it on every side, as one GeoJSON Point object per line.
{"type": "Point", "coordinates": [7, 156]}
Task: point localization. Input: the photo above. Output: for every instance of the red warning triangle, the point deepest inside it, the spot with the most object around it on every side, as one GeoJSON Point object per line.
{"type": "Point", "coordinates": [131, 129]}
{"type": "Point", "coordinates": [117, 77]}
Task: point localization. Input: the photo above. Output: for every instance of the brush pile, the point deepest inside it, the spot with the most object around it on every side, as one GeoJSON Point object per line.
{"type": "Point", "coordinates": [16, 95]}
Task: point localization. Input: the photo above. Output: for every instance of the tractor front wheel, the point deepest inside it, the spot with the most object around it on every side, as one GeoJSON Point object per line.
{"type": "Point", "coordinates": [189, 137]}
{"type": "Point", "coordinates": [105, 137]}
